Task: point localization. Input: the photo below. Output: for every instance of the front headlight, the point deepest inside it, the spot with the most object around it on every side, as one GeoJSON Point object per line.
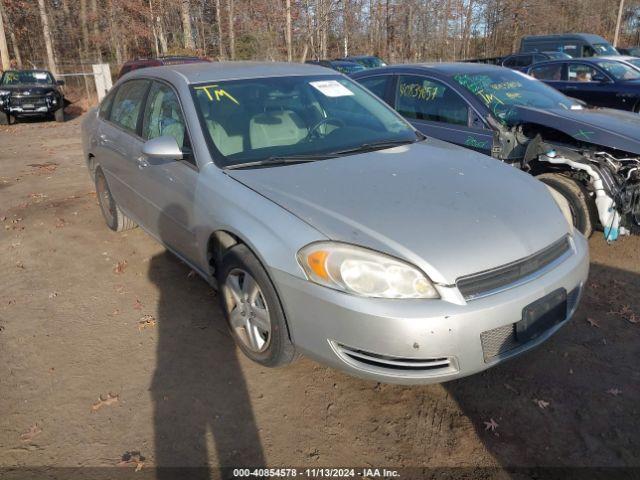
{"type": "Point", "coordinates": [360, 271]}
{"type": "Point", "coordinates": [563, 205]}
{"type": "Point", "coordinates": [4, 92]}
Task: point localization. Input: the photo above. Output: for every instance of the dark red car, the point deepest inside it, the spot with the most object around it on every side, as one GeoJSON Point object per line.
{"type": "Point", "coordinates": [157, 62]}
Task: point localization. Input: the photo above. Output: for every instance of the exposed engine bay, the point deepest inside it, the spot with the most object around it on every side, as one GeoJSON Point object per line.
{"type": "Point", "coordinates": [611, 177]}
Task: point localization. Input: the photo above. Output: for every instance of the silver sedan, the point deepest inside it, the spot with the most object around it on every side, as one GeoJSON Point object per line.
{"type": "Point", "coordinates": [329, 225]}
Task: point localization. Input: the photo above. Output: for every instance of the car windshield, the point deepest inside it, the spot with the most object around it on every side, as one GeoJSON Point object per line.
{"type": "Point", "coordinates": [265, 118]}
{"type": "Point", "coordinates": [619, 70]}
{"type": "Point", "coordinates": [370, 62]}
{"type": "Point", "coordinates": [17, 77]}
{"type": "Point", "coordinates": [604, 49]}
{"type": "Point", "coordinates": [502, 91]}
{"type": "Point", "coordinates": [348, 67]}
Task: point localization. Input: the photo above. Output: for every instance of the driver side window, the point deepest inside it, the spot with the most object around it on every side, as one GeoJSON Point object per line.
{"type": "Point", "coordinates": [579, 72]}
{"type": "Point", "coordinates": [426, 99]}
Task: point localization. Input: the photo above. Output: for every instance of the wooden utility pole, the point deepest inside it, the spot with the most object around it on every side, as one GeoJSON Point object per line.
{"type": "Point", "coordinates": [618, 22]}
{"type": "Point", "coordinates": [288, 32]}
{"type": "Point", "coordinates": [232, 34]}
{"type": "Point", "coordinates": [219, 22]}
{"type": "Point", "coordinates": [185, 13]}
{"type": "Point", "coordinates": [4, 51]}
{"type": "Point", "coordinates": [48, 43]}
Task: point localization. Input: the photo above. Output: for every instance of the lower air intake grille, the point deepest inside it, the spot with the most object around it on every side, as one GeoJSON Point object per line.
{"type": "Point", "coordinates": [513, 274]}
{"type": "Point", "coordinates": [503, 339]}
{"type": "Point", "coordinates": [394, 365]}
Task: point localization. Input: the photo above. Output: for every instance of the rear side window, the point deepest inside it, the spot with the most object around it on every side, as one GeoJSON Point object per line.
{"type": "Point", "coordinates": [426, 99]}
{"type": "Point", "coordinates": [128, 103]}
{"type": "Point", "coordinates": [547, 72]}
{"type": "Point", "coordinates": [377, 85]}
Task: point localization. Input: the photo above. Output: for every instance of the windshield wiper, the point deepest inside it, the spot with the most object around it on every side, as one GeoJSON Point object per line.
{"type": "Point", "coordinates": [369, 147]}
{"type": "Point", "coordinates": [282, 160]}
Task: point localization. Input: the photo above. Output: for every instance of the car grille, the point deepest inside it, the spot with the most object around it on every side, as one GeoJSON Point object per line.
{"type": "Point", "coordinates": [513, 274]}
{"type": "Point", "coordinates": [394, 365]}
{"type": "Point", "coordinates": [501, 340]}
{"type": "Point", "coordinates": [36, 101]}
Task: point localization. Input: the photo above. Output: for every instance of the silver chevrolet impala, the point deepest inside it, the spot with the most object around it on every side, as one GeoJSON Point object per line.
{"type": "Point", "coordinates": [329, 225]}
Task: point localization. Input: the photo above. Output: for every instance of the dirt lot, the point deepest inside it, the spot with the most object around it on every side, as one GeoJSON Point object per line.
{"type": "Point", "coordinates": [88, 313]}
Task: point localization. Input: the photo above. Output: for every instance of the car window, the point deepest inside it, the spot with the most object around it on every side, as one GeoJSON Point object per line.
{"type": "Point", "coordinates": [163, 115]}
{"type": "Point", "coordinates": [571, 49]}
{"type": "Point", "coordinates": [510, 62]}
{"type": "Point", "coordinates": [580, 72]}
{"type": "Point", "coordinates": [377, 84]}
{"type": "Point", "coordinates": [619, 70]}
{"type": "Point", "coordinates": [105, 106]}
{"type": "Point", "coordinates": [258, 118]}
{"type": "Point", "coordinates": [547, 72]}
{"type": "Point", "coordinates": [127, 104]}
{"type": "Point", "coordinates": [425, 99]}
{"type": "Point", "coordinates": [524, 61]}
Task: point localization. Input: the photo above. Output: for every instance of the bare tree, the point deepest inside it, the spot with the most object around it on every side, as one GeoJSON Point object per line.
{"type": "Point", "coordinates": [4, 51]}
{"type": "Point", "coordinates": [46, 32]}
{"type": "Point", "coordinates": [288, 31]}
{"type": "Point", "coordinates": [232, 32]}
{"type": "Point", "coordinates": [185, 12]}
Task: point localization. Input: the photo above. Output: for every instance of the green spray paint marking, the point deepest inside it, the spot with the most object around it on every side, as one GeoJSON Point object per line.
{"type": "Point", "coordinates": [584, 134]}
{"type": "Point", "coordinates": [475, 143]}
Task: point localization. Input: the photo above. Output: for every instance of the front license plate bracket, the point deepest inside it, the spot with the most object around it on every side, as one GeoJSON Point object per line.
{"type": "Point", "coordinates": [539, 316]}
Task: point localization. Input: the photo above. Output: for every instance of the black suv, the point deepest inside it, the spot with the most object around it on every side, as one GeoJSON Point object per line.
{"type": "Point", "coordinates": [28, 93]}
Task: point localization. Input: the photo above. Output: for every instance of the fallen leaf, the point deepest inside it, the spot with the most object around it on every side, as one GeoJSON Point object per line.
{"type": "Point", "coordinates": [593, 322]}
{"type": "Point", "coordinates": [541, 403]}
{"type": "Point", "coordinates": [120, 267]}
{"type": "Point", "coordinates": [20, 265]}
{"type": "Point", "coordinates": [146, 321]}
{"type": "Point", "coordinates": [137, 305]}
{"type": "Point", "coordinates": [60, 223]}
{"type": "Point", "coordinates": [491, 425]}
{"type": "Point", "coordinates": [132, 458]}
{"type": "Point", "coordinates": [30, 434]}
{"type": "Point", "coordinates": [53, 294]}
{"type": "Point", "coordinates": [115, 312]}
{"type": "Point", "coordinates": [614, 391]}
{"type": "Point", "coordinates": [110, 399]}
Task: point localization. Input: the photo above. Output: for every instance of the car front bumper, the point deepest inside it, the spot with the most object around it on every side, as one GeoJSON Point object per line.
{"type": "Point", "coordinates": [421, 341]}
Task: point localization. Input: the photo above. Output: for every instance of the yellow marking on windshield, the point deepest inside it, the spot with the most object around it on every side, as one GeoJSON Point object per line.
{"type": "Point", "coordinates": [214, 91]}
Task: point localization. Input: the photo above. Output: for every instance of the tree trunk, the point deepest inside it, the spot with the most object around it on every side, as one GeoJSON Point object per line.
{"type": "Point", "coordinates": [221, 54]}
{"type": "Point", "coordinates": [154, 31]}
{"type": "Point", "coordinates": [16, 50]}
{"type": "Point", "coordinates": [4, 51]}
{"type": "Point", "coordinates": [84, 28]}
{"type": "Point", "coordinates": [96, 30]}
{"type": "Point", "coordinates": [185, 13]}
{"type": "Point", "coordinates": [232, 37]}
{"type": "Point", "coordinates": [288, 31]}
{"type": "Point", "coordinates": [48, 42]}
{"type": "Point", "coordinates": [345, 26]}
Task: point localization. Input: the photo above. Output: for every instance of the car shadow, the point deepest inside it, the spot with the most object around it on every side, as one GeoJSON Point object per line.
{"type": "Point", "coordinates": [572, 402]}
{"type": "Point", "coordinates": [200, 397]}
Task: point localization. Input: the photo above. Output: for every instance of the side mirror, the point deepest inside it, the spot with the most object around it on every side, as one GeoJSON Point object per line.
{"type": "Point", "coordinates": [162, 149]}
{"type": "Point", "coordinates": [59, 82]}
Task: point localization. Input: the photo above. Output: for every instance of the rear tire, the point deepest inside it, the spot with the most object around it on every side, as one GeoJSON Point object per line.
{"type": "Point", "coordinates": [113, 216]}
{"type": "Point", "coordinates": [59, 115]}
{"type": "Point", "coordinates": [256, 321]}
{"type": "Point", "coordinates": [5, 118]}
{"type": "Point", "coordinates": [581, 205]}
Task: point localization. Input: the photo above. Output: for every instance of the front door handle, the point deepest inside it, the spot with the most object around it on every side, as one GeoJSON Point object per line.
{"type": "Point", "coordinates": [142, 163]}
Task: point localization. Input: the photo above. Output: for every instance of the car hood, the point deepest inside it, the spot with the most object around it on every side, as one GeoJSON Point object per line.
{"type": "Point", "coordinates": [33, 89]}
{"type": "Point", "coordinates": [448, 210]}
{"type": "Point", "coordinates": [601, 126]}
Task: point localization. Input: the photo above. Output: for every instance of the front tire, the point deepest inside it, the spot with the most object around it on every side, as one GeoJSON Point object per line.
{"type": "Point", "coordinates": [113, 216]}
{"type": "Point", "coordinates": [5, 118]}
{"type": "Point", "coordinates": [581, 205]}
{"type": "Point", "coordinates": [59, 115]}
{"type": "Point", "coordinates": [252, 309]}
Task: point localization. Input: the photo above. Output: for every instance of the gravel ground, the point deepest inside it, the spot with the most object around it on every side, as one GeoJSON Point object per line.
{"type": "Point", "coordinates": [109, 345]}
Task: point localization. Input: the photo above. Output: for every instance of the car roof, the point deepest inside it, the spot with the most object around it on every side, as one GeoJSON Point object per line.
{"type": "Point", "coordinates": [445, 69]}
{"type": "Point", "coordinates": [589, 37]}
{"type": "Point", "coordinates": [191, 73]}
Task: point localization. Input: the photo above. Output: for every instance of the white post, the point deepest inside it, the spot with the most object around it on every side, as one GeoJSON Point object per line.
{"type": "Point", "coordinates": [102, 76]}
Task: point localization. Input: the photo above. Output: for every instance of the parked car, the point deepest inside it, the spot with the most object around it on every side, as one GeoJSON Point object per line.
{"type": "Point", "coordinates": [367, 61]}
{"type": "Point", "coordinates": [30, 93]}
{"type": "Point", "coordinates": [631, 51]}
{"type": "Point", "coordinates": [330, 225]}
{"type": "Point", "coordinates": [137, 63]}
{"type": "Point", "coordinates": [633, 61]}
{"type": "Point", "coordinates": [573, 44]}
{"type": "Point", "coordinates": [590, 157]}
{"type": "Point", "coordinates": [338, 65]}
{"type": "Point", "coordinates": [601, 82]}
{"type": "Point", "coordinates": [521, 61]}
